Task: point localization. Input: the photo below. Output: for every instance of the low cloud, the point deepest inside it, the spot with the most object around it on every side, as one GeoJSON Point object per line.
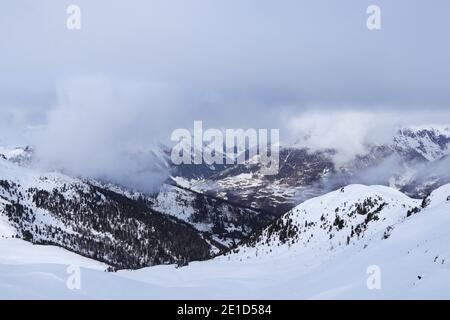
{"type": "Point", "coordinates": [107, 130]}
{"type": "Point", "coordinates": [351, 133]}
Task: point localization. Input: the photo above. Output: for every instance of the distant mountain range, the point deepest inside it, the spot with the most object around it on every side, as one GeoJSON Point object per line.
{"type": "Point", "coordinates": [410, 163]}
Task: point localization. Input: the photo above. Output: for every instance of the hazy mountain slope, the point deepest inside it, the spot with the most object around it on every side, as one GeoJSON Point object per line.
{"type": "Point", "coordinates": [19, 155]}
{"type": "Point", "coordinates": [246, 184]}
{"type": "Point", "coordinates": [51, 208]}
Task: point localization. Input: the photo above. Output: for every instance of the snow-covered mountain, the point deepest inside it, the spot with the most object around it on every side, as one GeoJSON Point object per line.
{"type": "Point", "coordinates": [52, 208]}
{"type": "Point", "coordinates": [320, 248]}
{"type": "Point", "coordinates": [19, 155]}
{"type": "Point", "coordinates": [223, 222]}
{"type": "Point", "coordinates": [360, 242]}
{"type": "Point", "coordinates": [328, 224]}
{"type": "Point", "coordinates": [123, 228]}
{"type": "Point", "coordinates": [429, 142]}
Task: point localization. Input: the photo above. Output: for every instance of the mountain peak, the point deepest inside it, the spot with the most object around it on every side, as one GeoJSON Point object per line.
{"type": "Point", "coordinates": [430, 142]}
{"type": "Point", "coordinates": [331, 222]}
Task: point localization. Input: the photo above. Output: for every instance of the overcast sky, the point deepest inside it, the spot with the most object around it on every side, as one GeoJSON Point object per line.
{"type": "Point", "coordinates": [138, 69]}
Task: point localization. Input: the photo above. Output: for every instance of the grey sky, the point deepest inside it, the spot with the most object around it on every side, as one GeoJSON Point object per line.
{"type": "Point", "coordinates": [231, 52]}
{"type": "Point", "coordinates": [144, 67]}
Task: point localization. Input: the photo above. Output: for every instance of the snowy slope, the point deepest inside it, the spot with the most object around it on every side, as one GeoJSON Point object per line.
{"type": "Point", "coordinates": [438, 197]}
{"type": "Point", "coordinates": [328, 224]}
{"type": "Point", "coordinates": [413, 258]}
{"type": "Point", "coordinates": [19, 252]}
